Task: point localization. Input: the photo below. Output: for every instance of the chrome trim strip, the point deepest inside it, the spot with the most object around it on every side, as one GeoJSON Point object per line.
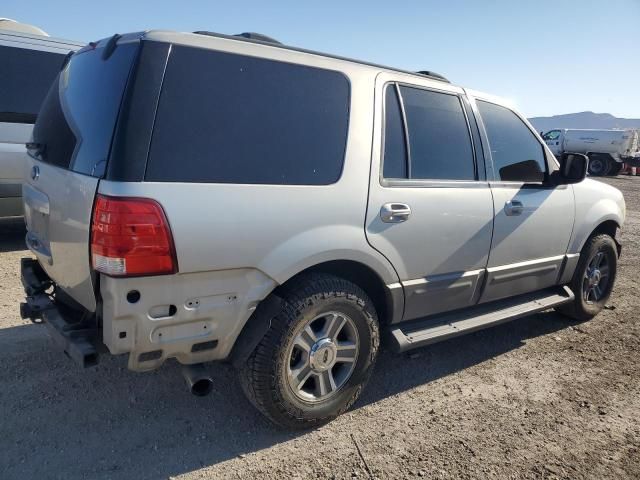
{"type": "Point", "coordinates": [525, 264]}
{"type": "Point", "coordinates": [396, 182]}
{"type": "Point", "coordinates": [438, 278]}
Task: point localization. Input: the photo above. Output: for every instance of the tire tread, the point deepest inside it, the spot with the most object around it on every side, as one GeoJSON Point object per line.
{"type": "Point", "coordinates": [256, 375]}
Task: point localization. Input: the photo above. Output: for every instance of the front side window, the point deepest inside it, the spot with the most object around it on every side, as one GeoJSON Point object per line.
{"type": "Point", "coordinates": [517, 155]}
{"type": "Point", "coordinates": [228, 118]}
{"type": "Point", "coordinates": [439, 143]}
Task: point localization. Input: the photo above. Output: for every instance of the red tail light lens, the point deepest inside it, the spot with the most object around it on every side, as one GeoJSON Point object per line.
{"type": "Point", "coordinates": [131, 237]}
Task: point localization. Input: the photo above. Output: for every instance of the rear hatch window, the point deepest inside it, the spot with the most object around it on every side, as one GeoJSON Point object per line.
{"type": "Point", "coordinates": [78, 117]}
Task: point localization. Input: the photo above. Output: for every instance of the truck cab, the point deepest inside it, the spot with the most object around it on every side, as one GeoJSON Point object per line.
{"type": "Point", "coordinates": [553, 139]}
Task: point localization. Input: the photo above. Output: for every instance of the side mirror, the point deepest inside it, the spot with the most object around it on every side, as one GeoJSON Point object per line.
{"type": "Point", "coordinates": [573, 168]}
{"type": "Point", "coordinates": [527, 171]}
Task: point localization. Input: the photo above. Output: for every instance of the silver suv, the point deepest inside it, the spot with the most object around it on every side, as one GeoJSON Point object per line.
{"type": "Point", "coordinates": [29, 62]}
{"type": "Point", "coordinates": [208, 197]}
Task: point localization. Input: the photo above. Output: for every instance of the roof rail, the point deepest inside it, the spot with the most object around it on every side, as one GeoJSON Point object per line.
{"type": "Point", "coordinates": [248, 35]}
{"type": "Point", "coordinates": [264, 39]}
{"type": "Point", "coordinates": [434, 75]}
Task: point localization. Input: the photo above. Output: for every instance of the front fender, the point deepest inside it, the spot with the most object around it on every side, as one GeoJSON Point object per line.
{"type": "Point", "coordinates": [596, 203]}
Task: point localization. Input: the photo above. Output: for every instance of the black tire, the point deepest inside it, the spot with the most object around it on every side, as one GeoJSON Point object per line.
{"type": "Point", "coordinates": [584, 307]}
{"type": "Point", "coordinates": [264, 376]}
{"type": "Point", "coordinates": [599, 165]}
{"type": "Point", "coordinates": [615, 169]}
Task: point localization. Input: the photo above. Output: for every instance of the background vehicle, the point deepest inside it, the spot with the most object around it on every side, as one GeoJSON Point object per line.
{"type": "Point", "coordinates": [607, 150]}
{"type": "Point", "coordinates": [29, 62]}
{"type": "Point", "coordinates": [234, 199]}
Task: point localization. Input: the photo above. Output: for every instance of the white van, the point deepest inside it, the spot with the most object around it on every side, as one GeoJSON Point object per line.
{"type": "Point", "coordinates": [29, 63]}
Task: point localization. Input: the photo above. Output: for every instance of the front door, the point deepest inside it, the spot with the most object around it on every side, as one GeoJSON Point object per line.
{"type": "Point", "coordinates": [533, 221]}
{"type": "Point", "coordinates": [430, 210]}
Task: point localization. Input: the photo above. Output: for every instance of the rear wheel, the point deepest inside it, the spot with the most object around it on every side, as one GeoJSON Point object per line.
{"type": "Point", "coordinates": [593, 279]}
{"type": "Point", "coordinates": [599, 165]}
{"type": "Point", "coordinates": [319, 352]}
{"type": "Point", "coordinates": [616, 167]}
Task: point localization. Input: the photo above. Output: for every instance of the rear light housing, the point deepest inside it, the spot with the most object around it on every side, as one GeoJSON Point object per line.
{"type": "Point", "coordinates": [131, 237]}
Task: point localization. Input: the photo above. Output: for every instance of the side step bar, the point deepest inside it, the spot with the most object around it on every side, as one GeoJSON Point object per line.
{"type": "Point", "coordinates": [435, 329]}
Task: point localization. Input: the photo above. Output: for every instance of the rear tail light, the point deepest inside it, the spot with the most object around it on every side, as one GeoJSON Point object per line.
{"type": "Point", "coordinates": [131, 237]}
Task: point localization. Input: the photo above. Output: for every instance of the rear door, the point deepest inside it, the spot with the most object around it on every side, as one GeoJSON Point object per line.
{"type": "Point", "coordinates": [430, 210]}
{"type": "Point", "coordinates": [533, 219]}
{"type": "Point", "coordinates": [71, 143]}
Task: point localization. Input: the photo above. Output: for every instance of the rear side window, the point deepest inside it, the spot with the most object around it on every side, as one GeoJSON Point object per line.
{"type": "Point", "coordinates": [395, 149]}
{"type": "Point", "coordinates": [439, 143]}
{"type": "Point", "coordinates": [517, 155]}
{"type": "Point", "coordinates": [25, 79]}
{"type": "Point", "coordinates": [439, 139]}
{"type": "Point", "coordinates": [78, 117]}
{"type": "Point", "coordinates": [226, 118]}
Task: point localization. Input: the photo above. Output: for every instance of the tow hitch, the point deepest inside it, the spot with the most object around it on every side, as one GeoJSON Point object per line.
{"type": "Point", "coordinates": [75, 332]}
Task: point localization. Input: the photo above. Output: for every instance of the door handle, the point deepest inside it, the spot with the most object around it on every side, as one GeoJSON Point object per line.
{"type": "Point", "coordinates": [395, 212]}
{"type": "Point", "coordinates": [513, 207]}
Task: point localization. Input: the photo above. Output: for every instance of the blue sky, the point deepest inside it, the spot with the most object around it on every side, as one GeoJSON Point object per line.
{"type": "Point", "coordinates": [550, 57]}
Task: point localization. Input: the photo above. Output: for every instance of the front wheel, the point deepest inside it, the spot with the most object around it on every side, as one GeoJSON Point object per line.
{"type": "Point", "coordinates": [599, 165]}
{"type": "Point", "coordinates": [319, 352]}
{"type": "Point", "coordinates": [593, 279]}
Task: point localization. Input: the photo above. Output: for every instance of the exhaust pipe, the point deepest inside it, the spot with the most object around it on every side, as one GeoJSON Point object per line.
{"type": "Point", "coordinates": [199, 382]}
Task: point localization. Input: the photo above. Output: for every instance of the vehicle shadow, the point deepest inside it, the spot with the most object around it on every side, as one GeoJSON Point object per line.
{"type": "Point", "coordinates": [12, 232]}
{"type": "Point", "coordinates": [107, 421]}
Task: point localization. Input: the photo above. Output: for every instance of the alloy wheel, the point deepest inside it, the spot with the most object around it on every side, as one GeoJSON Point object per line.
{"type": "Point", "coordinates": [322, 356]}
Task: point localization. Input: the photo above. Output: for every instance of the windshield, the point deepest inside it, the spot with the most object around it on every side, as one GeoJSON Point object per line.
{"type": "Point", "coordinates": [551, 135]}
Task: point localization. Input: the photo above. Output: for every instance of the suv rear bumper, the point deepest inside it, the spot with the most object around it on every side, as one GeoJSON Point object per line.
{"type": "Point", "coordinates": [74, 331]}
{"type": "Point", "coordinates": [193, 317]}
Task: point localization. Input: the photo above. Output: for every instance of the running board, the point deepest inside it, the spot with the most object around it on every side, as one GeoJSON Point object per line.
{"type": "Point", "coordinates": [435, 329]}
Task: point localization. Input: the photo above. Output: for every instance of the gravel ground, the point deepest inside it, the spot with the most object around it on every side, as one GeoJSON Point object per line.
{"type": "Point", "coordinates": [541, 397]}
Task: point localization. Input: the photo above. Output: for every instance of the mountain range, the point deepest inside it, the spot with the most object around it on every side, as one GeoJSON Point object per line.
{"type": "Point", "coordinates": [583, 120]}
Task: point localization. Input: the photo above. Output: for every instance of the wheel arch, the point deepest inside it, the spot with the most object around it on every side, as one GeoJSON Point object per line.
{"type": "Point", "coordinates": [388, 302]}
{"type": "Point", "coordinates": [608, 227]}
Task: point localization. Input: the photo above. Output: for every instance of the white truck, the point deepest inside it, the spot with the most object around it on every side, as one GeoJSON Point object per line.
{"type": "Point", "coordinates": [607, 150]}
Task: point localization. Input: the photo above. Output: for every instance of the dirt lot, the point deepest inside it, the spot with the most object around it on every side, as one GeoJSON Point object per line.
{"type": "Point", "coordinates": [538, 398]}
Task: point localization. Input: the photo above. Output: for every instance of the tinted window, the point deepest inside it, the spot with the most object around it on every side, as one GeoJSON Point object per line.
{"type": "Point", "coordinates": [439, 142]}
{"type": "Point", "coordinates": [24, 82]}
{"type": "Point", "coordinates": [81, 109]}
{"type": "Point", "coordinates": [229, 118]}
{"type": "Point", "coordinates": [517, 154]}
{"type": "Point", "coordinates": [395, 150]}
{"type": "Point", "coordinates": [552, 135]}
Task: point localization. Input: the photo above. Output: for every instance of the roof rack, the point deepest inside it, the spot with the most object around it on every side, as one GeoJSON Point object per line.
{"type": "Point", "coordinates": [260, 38]}
{"type": "Point", "coordinates": [431, 74]}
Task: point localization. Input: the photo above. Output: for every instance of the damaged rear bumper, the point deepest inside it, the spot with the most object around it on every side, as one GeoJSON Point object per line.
{"type": "Point", "coordinates": [75, 331]}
